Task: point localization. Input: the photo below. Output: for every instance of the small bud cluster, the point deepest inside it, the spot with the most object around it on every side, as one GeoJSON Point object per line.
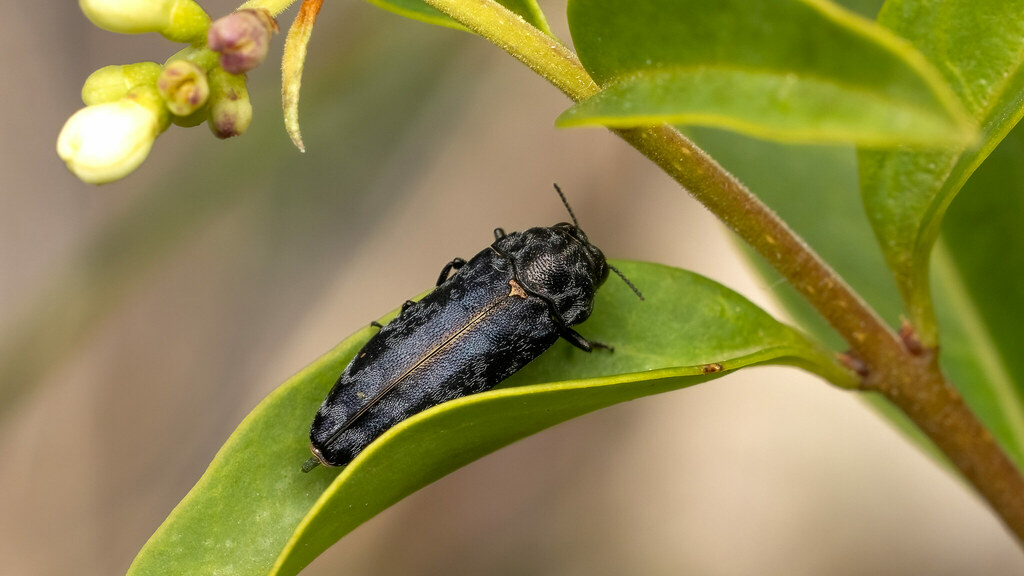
{"type": "Point", "coordinates": [128, 106]}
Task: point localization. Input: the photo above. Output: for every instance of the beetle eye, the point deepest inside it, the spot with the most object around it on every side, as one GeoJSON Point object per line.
{"type": "Point", "coordinates": [602, 264]}
{"type": "Point", "coordinates": [573, 231]}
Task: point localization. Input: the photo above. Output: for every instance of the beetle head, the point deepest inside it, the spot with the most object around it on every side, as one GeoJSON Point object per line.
{"type": "Point", "coordinates": [599, 265]}
{"type": "Point", "coordinates": [596, 262]}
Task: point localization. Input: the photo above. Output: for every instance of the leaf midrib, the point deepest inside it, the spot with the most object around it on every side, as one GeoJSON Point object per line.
{"type": "Point", "coordinates": [969, 159]}
{"type": "Point", "coordinates": [637, 74]}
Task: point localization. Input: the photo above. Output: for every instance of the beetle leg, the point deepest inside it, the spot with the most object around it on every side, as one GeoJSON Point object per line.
{"type": "Point", "coordinates": [455, 264]}
{"type": "Point", "coordinates": [376, 325]}
{"type": "Point", "coordinates": [405, 306]}
{"type": "Point", "coordinates": [577, 340]}
{"type": "Point", "coordinates": [499, 233]}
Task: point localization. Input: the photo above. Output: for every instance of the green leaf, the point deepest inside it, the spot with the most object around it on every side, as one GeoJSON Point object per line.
{"type": "Point", "coordinates": [866, 8]}
{"type": "Point", "coordinates": [254, 513]}
{"type": "Point", "coordinates": [790, 70]}
{"type": "Point", "coordinates": [978, 45]}
{"type": "Point", "coordinates": [978, 274]}
{"type": "Point", "coordinates": [419, 10]}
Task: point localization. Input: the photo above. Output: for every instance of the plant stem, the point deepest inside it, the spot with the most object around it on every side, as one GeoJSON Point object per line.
{"type": "Point", "coordinates": [909, 377]}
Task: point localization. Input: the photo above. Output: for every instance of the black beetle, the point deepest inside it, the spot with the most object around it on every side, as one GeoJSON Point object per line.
{"type": "Point", "coordinates": [501, 310]}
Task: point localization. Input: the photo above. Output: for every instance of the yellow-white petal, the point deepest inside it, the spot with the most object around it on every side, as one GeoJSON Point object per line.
{"type": "Point", "coordinates": [107, 142]}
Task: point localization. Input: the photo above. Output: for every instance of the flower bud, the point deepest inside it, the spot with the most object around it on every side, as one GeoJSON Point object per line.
{"type": "Point", "coordinates": [129, 16]}
{"type": "Point", "coordinates": [242, 38]}
{"type": "Point", "coordinates": [183, 87]}
{"type": "Point", "coordinates": [189, 23]}
{"type": "Point", "coordinates": [230, 109]}
{"type": "Point", "coordinates": [149, 97]}
{"type": "Point", "coordinates": [112, 83]}
{"type": "Point", "coordinates": [178, 20]}
{"type": "Point", "coordinates": [192, 120]}
{"type": "Point", "coordinates": [106, 142]}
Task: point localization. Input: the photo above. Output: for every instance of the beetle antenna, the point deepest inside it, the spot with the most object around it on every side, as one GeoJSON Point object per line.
{"type": "Point", "coordinates": [566, 203]}
{"type": "Point", "coordinates": [577, 225]}
{"type": "Point", "coordinates": [626, 280]}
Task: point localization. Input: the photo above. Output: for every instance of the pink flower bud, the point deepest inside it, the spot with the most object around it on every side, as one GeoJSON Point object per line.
{"type": "Point", "coordinates": [242, 38]}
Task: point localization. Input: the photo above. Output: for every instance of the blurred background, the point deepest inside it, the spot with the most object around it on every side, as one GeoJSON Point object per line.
{"type": "Point", "coordinates": [140, 322]}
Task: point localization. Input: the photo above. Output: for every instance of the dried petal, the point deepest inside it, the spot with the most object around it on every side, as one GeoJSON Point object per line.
{"type": "Point", "coordinates": [291, 67]}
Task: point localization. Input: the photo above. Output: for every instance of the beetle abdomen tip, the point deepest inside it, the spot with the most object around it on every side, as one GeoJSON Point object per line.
{"type": "Point", "coordinates": [308, 465]}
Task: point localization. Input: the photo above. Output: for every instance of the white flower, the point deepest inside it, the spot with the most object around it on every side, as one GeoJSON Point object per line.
{"type": "Point", "coordinates": [129, 16]}
{"type": "Point", "coordinates": [106, 142]}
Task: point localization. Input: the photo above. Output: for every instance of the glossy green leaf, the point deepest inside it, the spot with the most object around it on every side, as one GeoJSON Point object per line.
{"type": "Point", "coordinates": [791, 70]}
{"type": "Point", "coordinates": [419, 10]}
{"type": "Point", "coordinates": [978, 45]}
{"type": "Point", "coordinates": [254, 513]}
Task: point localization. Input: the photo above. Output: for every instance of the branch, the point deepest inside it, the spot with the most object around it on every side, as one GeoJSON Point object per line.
{"type": "Point", "coordinates": [908, 376]}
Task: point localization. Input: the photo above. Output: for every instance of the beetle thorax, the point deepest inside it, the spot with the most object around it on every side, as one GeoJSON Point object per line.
{"type": "Point", "coordinates": [560, 264]}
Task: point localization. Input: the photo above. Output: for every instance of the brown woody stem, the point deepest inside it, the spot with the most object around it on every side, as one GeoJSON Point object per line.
{"type": "Point", "coordinates": [909, 377]}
